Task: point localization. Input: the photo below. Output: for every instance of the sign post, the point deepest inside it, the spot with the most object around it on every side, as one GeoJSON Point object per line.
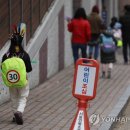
{"type": "Point", "coordinates": [84, 89]}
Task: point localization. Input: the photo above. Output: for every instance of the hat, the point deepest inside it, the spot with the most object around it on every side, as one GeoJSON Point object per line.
{"type": "Point", "coordinates": [117, 25]}
{"type": "Point", "coordinates": [95, 9]}
{"type": "Point", "coordinates": [17, 35]}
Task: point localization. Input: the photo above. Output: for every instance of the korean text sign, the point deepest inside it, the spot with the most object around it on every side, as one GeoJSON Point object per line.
{"type": "Point", "coordinates": [85, 79]}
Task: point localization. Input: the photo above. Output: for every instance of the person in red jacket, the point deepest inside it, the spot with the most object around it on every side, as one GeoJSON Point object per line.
{"type": "Point", "coordinates": [81, 33]}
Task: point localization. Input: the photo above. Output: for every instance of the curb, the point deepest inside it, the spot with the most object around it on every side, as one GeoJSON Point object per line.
{"type": "Point", "coordinates": [117, 110]}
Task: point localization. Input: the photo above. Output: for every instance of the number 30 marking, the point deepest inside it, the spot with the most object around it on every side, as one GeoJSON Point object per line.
{"type": "Point", "coordinates": [13, 76]}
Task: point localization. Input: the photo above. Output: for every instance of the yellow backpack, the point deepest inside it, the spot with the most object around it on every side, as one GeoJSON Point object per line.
{"type": "Point", "coordinates": [119, 43]}
{"type": "Point", "coordinates": [14, 72]}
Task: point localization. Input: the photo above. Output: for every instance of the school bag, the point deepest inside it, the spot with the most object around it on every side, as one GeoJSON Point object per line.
{"type": "Point", "coordinates": [118, 36]}
{"type": "Point", "coordinates": [14, 72]}
{"type": "Point", "coordinates": [119, 43]}
{"type": "Point", "coordinates": [108, 44]}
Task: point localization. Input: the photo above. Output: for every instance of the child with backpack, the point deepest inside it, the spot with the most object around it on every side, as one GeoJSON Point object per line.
{"type": "Point", "coordinates": [15, 66]}
{"type": "Point", "coordinates": [107, 52]}
{"type": "Point", "coordinates": [117, 33]}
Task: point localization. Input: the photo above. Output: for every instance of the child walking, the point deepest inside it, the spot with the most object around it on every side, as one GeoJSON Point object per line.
{"type": "Point", "coordinates": [17, 80]}
{"type": "Point", "coordinates": [117, 33]}
{"type": "Point", "coordinates": [107, 52]}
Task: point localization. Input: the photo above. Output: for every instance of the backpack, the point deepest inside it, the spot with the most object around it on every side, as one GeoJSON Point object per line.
{"type": "Point", "coordinates": [108, 44]}
{"type": "Point", "coordinates": [119, 43]}
{"type": "Point", "coordinates": [14, 72]}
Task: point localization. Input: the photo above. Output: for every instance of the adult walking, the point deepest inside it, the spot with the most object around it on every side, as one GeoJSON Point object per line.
{"type": "Point", "coordinates": [81, 33]}
{"type": "Point", "coordinates": [96, 23]}
{"type": "Point", "coordinates": [125, 21]}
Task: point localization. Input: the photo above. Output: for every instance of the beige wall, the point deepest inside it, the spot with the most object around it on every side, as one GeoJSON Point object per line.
{"type": "Point", "coordinates": [88, 4]}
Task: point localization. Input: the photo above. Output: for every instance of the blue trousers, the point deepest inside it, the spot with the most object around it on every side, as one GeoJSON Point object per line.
{"type": "Point", "coordinates": [75, 49]}
{"type": "Point", "coordinates": [94, 51]}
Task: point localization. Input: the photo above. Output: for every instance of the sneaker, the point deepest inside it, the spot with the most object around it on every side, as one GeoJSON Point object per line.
{"type": "Point", "coordinates": [109, 75]}
{"type": "Point", "coordinates": [90, 56]}
{"type": "Point", "coordinates": [18, 118]}
{"type": "Point", "coordinates": [103, 75]}
{"type": "Point", "coordinates": [13, 120]}
{"type": "Point", "coordinates": [125, 63]}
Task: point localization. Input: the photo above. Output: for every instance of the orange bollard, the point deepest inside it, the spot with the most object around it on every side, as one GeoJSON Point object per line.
{"type": "Point", "coordinates": [84, 89]}
{"type": "Point", "coordinates": [81, 121]}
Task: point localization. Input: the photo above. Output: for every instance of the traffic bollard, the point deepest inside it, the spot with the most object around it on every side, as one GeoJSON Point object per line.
{"type": "Point", "coordinates": [84, 89]}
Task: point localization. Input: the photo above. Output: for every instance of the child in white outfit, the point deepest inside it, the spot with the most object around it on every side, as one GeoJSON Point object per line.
{"type": "Point", "coordinates": [18, 95]}
{"type": "Point", "coordinates": [117, 33]}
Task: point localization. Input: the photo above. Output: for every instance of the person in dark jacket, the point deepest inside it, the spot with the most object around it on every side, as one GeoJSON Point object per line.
{"type": "Point", "coordinates": [95, 23]}
{"type": "Point", "coordinates": [81, 33]}
{"type": "Point", "coordinates": [18, 95]}
{"type": "Point", "coordinates": [125, 21]}
{"type": "Point", "coordinates": [107, 59]}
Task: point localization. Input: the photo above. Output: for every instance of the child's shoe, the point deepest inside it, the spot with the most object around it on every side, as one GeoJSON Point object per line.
{"type": "Point", "coordinates": [18, 118]}
{"type": "Point", "coordinates": [109, 74]}
{"type": "Point", "coordinates": [103, 75]}
{"type": "Point", "coordinates": [13, 120]}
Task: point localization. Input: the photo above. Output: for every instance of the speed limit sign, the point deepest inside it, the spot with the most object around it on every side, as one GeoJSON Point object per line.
{"type": "Point", "coordinates": [13, 76]}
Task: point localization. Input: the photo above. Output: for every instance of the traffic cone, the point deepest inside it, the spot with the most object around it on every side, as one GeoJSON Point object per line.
{"type": "Point", "coordinates": [81, 121]}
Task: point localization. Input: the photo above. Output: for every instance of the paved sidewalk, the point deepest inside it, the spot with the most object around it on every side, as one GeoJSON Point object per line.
{"type": "Point", "coordinates": [51, 105]}
{"type": "Point", "coordinates": [124, 123]}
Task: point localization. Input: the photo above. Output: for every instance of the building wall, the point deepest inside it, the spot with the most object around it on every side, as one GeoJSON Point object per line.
{"type": "Point", "coordinates": [61, 38]}
{"type": "Point", "coordinates": [122, 3]}
{"type": "Point", "coordinates": [68, 52]}
{"type": "Point", "coordinates": [110, 5]}
{"type": "Point", "coordinates": [52, 66]}
{"type": "Point", "coordinates": [43, 54]}
{"type": "Point", "coordinates": [88, 5]}
{"type": "Point", "coordinates": [111, 9]}
{"type": "Point", "coordinates": [4, 22]}
{"type": "Point", "coordinates": [15, 11]}
{"type": "Point", "coordinates": [34, 75]}
{"type": "Point", "coordinates": [43, 48]}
